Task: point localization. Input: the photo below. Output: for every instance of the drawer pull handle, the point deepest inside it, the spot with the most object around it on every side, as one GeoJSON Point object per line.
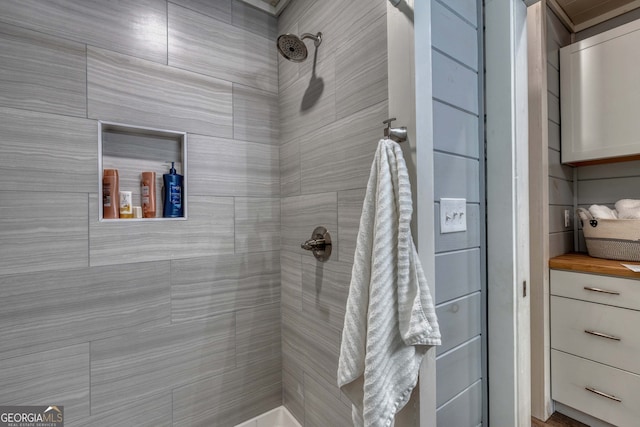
{"type": "Point", "coordinates": [599, 393]}
{"type": "Point", "coordinates": [601, 335]}
{"type": "Point", "coordinates": [602, 291]}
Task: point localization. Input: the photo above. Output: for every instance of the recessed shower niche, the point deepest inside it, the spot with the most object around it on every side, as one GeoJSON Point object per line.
{"type": "Point", "coordinates": [132, 150]}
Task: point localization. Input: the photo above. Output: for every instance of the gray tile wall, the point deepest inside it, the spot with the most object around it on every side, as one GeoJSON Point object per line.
{"type": "Point", "coordinates": [147, 323]}
{"type": "Point", "coordinates": [331, 113]}
{"type": "Point", "coordinates": [458, 173]}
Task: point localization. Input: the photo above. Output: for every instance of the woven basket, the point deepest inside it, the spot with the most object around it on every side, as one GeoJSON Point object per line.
{"type": "Point", "coordinates": [611, 238]}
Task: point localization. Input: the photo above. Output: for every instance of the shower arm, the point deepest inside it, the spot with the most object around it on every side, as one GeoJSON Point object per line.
{"type": "Point", "coordinates": [317, 38]}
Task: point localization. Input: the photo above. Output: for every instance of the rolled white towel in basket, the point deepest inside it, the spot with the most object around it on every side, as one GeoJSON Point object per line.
{"type": "Point", "coordinates": [628, 209]}
{"type": "Point", "coordinates": [603, 212]}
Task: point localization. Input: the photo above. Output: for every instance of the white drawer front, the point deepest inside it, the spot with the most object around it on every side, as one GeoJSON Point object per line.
{"type": "Point", "coordinates": [571, 319]}
{"type": "Point", "coordinates": [604, 289]}
{"type": "Point", "coordinates": [570, 375]}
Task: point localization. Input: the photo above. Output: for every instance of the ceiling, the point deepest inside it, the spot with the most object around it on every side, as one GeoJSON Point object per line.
{"type": "Point", "coordinates": [580, 14]}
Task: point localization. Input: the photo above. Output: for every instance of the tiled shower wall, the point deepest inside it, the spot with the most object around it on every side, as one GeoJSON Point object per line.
{"type": "Point", "coordinates": [331, 112]}
{"type": "Point", "coordinates": [140, 323]}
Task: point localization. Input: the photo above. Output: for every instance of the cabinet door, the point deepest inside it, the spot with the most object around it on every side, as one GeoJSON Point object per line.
{"type": "Point", "coordinates": [600, 95]}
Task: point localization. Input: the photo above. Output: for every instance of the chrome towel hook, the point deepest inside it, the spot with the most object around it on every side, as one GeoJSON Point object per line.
{"type": "Point", "coordinates": [395, 134]}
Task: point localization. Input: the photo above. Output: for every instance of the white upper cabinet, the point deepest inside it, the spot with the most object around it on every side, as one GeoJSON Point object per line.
{"type": "Point", "coordinates": [600, 96]}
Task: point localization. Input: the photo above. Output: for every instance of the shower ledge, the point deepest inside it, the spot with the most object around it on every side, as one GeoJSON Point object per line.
{"type": "Point", "coordinates": [278, 417]}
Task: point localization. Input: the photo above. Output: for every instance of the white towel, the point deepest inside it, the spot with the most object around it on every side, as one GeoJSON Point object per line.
{"type": "Point", "coordinates": [602, 212]}
{"type": "Point", "coordinates": [628, 209]}
{"type": "Point", "coordinates": [390, 318]}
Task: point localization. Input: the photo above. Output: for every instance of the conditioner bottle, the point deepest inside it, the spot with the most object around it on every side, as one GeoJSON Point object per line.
{"type": "Point", "coordinates": [172, 194]}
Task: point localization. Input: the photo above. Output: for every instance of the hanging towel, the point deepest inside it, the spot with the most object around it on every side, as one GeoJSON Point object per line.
{"type": "Point", "coordinates": [390, 318]}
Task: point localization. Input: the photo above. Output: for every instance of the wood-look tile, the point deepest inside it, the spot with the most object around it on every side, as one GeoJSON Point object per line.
{"type": "Point", "coordinates": [292, 13]}
{"type": "Point", "coordinates": [46, 152]}
{"type": "Point", "coordinates": [133, 91]}
{"type": "Point", "coordinates": [143, 364]}
{"type": "Point", "coordinates": [460, 240]}
{"type": "Point", "coordinates": [218, 9]}
{"type": "Point", "coordinates": [293, 393]}
{"type": "Point", "coordinates": [302, 214]}
{"type": "Point", "coordinates": [455, 131]}
{"type": "Point", "coordinates": [349, 211]}
{"type": "Point", "coordinates": [229, 398]}
{"type": "Point", "coordinates": [224, 167]}
{"type": "Point", "coordinates": [456, 176]}
{"type": "Point", "coordinates": [361, 74]}
{"type": "Point", "coordinates": [133, 27]}
{"type": "Point", "coordinates": [454, 36]}
{"type": "Point", "coordinates": [255, 115]}
{"type": "Point", "coordinates": [339, 156]}
{"type": "Point", "coordinates": [202, 288]}
{"type": "Point", "coordinates": [42, 231]}
{"type": "Point", "coordinates": [290, 168]}
{"type": "Point", "coordinates": [325, 288]}
{"type": "Point", "coordinates": [458, 370]}
{"type": "Point", "coordinates": [454, 83]}
{"type": "Point", "coordinates": [57, 377]}
{"type": "Point", "coordinates": [41, 310]}
{"type": "Point", "coordinates": [211, 47]}
{"type": "Point", "coordinates": [291, 277]}
{"type": "Point", "coordinates": [459, 321]}
{"type": "Point", "coordinates": [151, 411]}
{"type": "Point", "coordinates": [207, 231]}
{"type": "Point", "coordinates": [309, 103]}
{"type": "Point", "coordinates": [452, 283]}
{"type": "Point", "coordinates": [41, 73]}
{"type": "Point", "coordinates": [316, 345]}
{"type": "Point", "coordinates": [321, 408]}
{"type": "Point", "coordinates": [257, 224]}
{"type": "Point", "coordinates": [258, 334]}
{"type": "Point", "coordinates": [254, 20]}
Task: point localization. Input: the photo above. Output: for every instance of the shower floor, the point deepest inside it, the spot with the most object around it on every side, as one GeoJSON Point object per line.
{"type": "Point", "coordinates": [278, 417]}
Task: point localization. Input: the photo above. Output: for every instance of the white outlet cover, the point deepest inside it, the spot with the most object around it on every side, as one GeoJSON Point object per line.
{"type": "Point", "coordinates": [453, 215]}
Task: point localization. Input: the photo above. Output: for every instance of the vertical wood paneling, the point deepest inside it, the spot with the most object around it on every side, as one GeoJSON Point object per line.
{"type": "Point", "coordinates": [455, 131]}
{"type": "Point", "coordinates": [457, 274]}
{"type": "Point", "coordinates": [459, 321]}
{"type": "Point", "coordinates": [463, 411]}
{"type": "Point", "coordinates": [451, 34]}
{"type": "Point", "coordinates": [454, 84]}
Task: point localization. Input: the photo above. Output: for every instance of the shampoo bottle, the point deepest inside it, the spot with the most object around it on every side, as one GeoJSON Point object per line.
{"type": "Point", "coordinates": [172, 194]}
{"type": "Point", "coordinates": [110, 194]}
{"type": "Point", "coordinates": [148, 193]}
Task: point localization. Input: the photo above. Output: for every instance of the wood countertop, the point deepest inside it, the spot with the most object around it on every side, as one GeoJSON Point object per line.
{"type": "Point", "coordinates": [583, 263]}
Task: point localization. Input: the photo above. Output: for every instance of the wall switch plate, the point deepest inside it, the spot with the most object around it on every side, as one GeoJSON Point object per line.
{"type": "Point", "coordinates": [567, 218]}
{"type": "Point", "coordinates": [453, 215]}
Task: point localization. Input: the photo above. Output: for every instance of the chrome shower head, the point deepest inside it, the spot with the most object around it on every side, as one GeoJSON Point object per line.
{"type": "Point", "coordinates": [293, 48]}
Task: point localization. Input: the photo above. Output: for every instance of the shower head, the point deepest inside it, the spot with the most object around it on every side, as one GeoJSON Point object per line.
{"type": "Point", "coordinates": [293, 48]}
